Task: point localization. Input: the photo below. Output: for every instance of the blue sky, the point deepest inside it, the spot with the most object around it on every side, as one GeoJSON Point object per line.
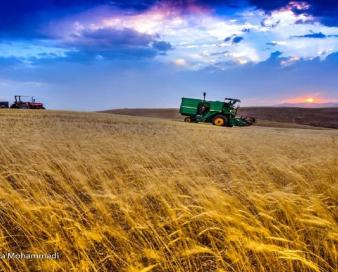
{"type": "Point", "coordinates": [96, 54]}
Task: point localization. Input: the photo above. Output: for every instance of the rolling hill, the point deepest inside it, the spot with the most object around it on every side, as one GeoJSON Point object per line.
{"type": "Point", "coordinates": [266, 116]}
{"type": "Point", "coordinates": [309, 105]}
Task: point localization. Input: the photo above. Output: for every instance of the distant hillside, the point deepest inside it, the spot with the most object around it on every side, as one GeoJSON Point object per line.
{"type": "Point", "coordinates": [309, 105]}
{"type": "Point", "coordinates": [319, 117]}
{"type": "Point", "coordinates": [157, 113]}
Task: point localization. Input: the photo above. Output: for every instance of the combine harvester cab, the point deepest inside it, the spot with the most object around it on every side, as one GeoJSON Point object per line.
{"type": "Point", "coordinates": [216, 112]}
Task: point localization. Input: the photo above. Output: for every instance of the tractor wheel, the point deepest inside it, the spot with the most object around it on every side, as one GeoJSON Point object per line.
{"type": "Point", "coordinates": [219, 120]}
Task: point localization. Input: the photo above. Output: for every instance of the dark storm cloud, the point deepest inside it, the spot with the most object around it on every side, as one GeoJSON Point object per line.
{"type": "Point", "coordinates": [269, 5]}
{"type": "Point", "coordinates": [145, 4]}
{"type": "Point", "coordinates": [318, 35]}
{"type": "Point", "coordinates": [97, 45]}
{"type": "Point", "coordinates": [234, 39]}
{"type": "Point", "coordinates": [135, 5]}
{"type": "Point", "coordinates": [110, 43]}
{"type": "Point", "coordinates": [272, 25]}
{"type": "Point", "coordinates": [305, 21]}
{"type": "Point", "coordinates": [228, 39]}
{"type": "Point", "coordinates": [23, 19]}
{"type": "Point", "coordinates": [325, 10]}
{"type": "Point", "coordinates": [246, 30]}
{"type": "Point", "coordinates": [162, 46]}
{"type": "Point", "coordinates": [313, 35]}
{"type": "Point", "coordinates": [112, 38]}
{"type": "Point", "coordinates": [237, 39]}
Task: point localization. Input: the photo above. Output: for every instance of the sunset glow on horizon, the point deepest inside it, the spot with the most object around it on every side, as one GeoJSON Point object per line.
{"type": "Point", "coordinates": [308, 99]}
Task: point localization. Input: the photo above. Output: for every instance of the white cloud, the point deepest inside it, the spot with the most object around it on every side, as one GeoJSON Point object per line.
{"type": "Point", "coordinates": [199, 37]}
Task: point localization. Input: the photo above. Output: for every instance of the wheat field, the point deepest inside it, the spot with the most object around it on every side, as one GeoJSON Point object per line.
{"type": "Point", "coordinates": [116, 193]}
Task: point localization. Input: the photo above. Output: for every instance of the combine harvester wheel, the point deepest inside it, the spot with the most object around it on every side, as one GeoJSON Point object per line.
{"type": "Point", "coordinates": [219, 120]}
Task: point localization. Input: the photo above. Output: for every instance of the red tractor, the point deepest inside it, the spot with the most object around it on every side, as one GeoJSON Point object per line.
{"type": "Point", "coordinates": [19, 104]}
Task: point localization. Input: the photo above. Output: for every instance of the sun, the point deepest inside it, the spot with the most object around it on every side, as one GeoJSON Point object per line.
{"type": "Point", "coordinates": [310, 100]}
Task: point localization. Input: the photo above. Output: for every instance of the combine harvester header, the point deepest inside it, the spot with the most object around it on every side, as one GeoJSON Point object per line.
{"type": "Point", "coordinates": [216, 112]}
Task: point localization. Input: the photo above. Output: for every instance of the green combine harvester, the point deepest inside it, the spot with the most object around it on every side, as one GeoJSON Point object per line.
{"type": "Point", "coordinates": [216, 112]}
